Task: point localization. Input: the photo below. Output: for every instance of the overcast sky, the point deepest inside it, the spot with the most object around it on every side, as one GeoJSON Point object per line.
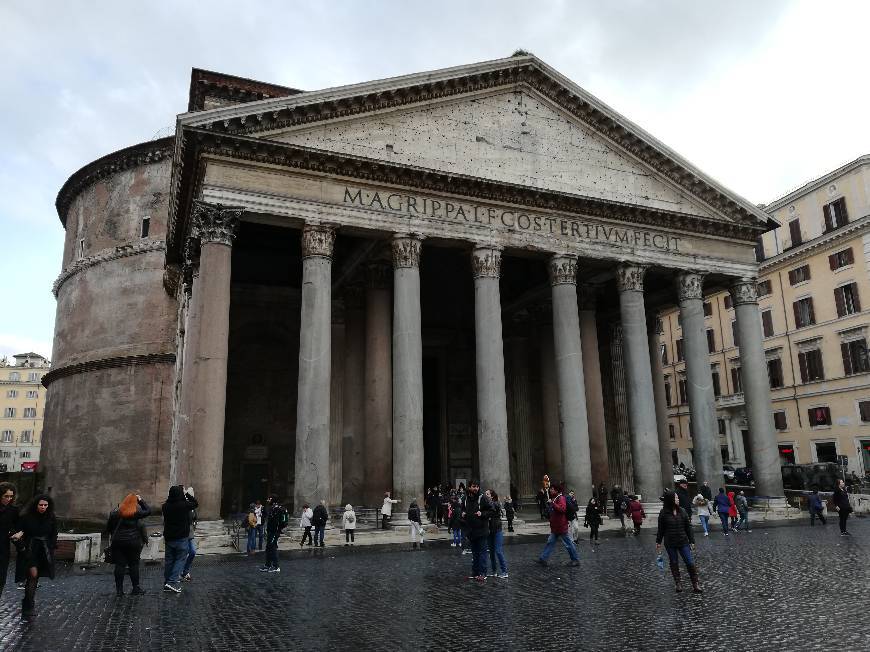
{"type": "Point", "coordinates": [763, 96]}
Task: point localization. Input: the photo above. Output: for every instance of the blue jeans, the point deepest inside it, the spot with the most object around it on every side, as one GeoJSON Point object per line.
{"type": "Point", "coordinates": [191, 553]}
{"type": "Point", "coordinates": [744, 520]}
{"type": "Point", "coordinates": [723, 516]}
{"type": "Point", "coordinates": [173, 560]}
{"type": "Point", "coordinates": [319, 531]}
{"type": "Point", "coordinates": [551, 543]}
{"type": "Point", "coordinates": [457, 537]}
{"type": "Point", "coordinates": [683, 551]}
{"type": "Point", "coordinates": [260, 537]}
{"type": "Point", "coordinates": [496, 551]}
{"type": "Point", "coordinates": [478, 565]}
{"type": "Point", "coordinates": [252, 540]}
{"type": "Point", "coordinates": [705, 523]}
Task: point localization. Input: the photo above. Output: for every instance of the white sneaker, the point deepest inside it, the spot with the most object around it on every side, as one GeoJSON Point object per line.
{"type": "Point", "coordinates": [168, 588]}
{"type": "Point", "coordinates": [503, 576]}
{"type": "Point", "coordinates": [706, 534]}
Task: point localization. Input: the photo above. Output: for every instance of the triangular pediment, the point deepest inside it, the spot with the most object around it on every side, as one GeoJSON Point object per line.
{"type": "Point", "coordinates": [514, 121]}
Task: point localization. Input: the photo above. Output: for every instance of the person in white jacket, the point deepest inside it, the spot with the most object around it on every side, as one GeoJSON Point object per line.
{"type": "Point", "coordinates": [305, 524]}
{"type": "Point", "coordinates": [348, 522]}
{"type": "Point", "coordinates": [387, 510]}
{"type": "Point", "coordinates": [703, 506]}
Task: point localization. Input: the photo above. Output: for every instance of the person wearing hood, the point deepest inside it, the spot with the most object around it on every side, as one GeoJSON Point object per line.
{"type": "Point", "coordinates": [592, 520]}
{"type": "Point", "coordinates": [37, 533]}
{"type": "Point", "coordinates": [348, 522]}
{"type": "Point", "coordinates": [8, 526]}
{"type": "Point", "coordinates": [319, 520]}
{"type": "Point", "coordinates": [676, 532]}
{"type": "Point", "coordinates": [415, 524]}
{"type": "Point", "coordinates": [176, 534]}
{"type": "Point", "coordinates": [702, 503]}
{"type": "Point", "coordinates": [743, 509]}
{"type": "Point", "coordinates": [127, 536]}
{"type": "Point", "coordinates": [816, 507]}
{"type": "Point", "coordinates": [305, 524]}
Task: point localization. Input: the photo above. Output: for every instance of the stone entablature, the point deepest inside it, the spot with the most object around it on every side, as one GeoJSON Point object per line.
{"type": "Point", "coordinates": [143, 247]}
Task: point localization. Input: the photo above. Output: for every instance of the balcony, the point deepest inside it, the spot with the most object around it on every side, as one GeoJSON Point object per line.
{"type": "Point", "coordinates": [730, 400]}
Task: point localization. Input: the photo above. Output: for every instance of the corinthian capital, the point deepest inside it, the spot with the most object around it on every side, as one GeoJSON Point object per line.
{"type": "Point", "coordinates": [406, 251]}
{"type": "Point", "coordinates": [690, 285]}
{"type": "Point", "coordinates": [215, 222]}
{"type": "Point", "coordinates": [317, 240]}
{"type": "Point", "coordinates": [563, 270]}
{"type": "Point", "coordinates": [744, 290]}
{"type": "Point", "coordinates": [486, 262]}
{"type": "Point", "coordinates": [629, 278]}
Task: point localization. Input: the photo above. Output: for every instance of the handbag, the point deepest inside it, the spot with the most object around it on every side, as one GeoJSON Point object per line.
{"type": "Point", "coordinates": [108, 554]}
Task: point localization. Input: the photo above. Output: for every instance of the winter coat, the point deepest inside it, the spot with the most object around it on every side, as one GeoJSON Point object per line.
{"type": "Point", "coordinates": [8, 525]}
{"type": "Point", "coordinates": [276, 521]}
{"type": "Point", "coordinates": [703, 505]}
{"type": "Point", "coordinates": [39, 543]}
{"type": "Point", "coordinates": [509, 510]}
{"type": "Point", "coordinates": [321, 516]}
{"type": "Point", "coordinates": [495, 519]}
{"type": "Point", "coordinates": [674, 529]}
{"type": "Point", "coordinates": [685, 501]}
{"type": "Point", "coordinates": [723, 505]}
{"type": "Point", "coordinates": [732, 508]}
{"type": "Point", "coordinates": [478, 526]}
{"type": "Point", "coordinates": [815, 503]}
{"type": "Point", "coordinates": [742, 504]}
{"type": "Point", "coordinates": [841, 500]}
{"type": "Point", "coordinates": [387, 508]}
{"type": "Point", "coordinates": [129, 530]}
{"type": "Point", "coordinates": [706, 492]}
{"type": "Point", "coordinates": [455, 516]}
{"type": "Point", "coordinates": [593, 516]}
{"type": "Point", "coordinates": [307, 515]}
{"type": "Point", "coordinates": [414, 514]}
{"type": "Point", "coordinates": [348, 519]}
{"type": "Point", "coordinates": [558, 516]}
{"type": "Point", "coordinates": [176, 514]}
{"type": "Point", "coordinates": [636, 511]}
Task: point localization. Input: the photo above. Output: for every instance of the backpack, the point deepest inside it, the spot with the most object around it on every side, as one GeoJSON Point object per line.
{"type": "Point", "coordinates": [571, 508]}
{"type": "Point", "coordinates": [283, 517]}
{"type": "Point", "coordinates": [252, 519]}
{"type": "Point", "coordinates": [351, 517]}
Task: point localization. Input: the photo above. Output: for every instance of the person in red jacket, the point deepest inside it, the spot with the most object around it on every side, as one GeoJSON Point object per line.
{"type": "Point", "coordinates": [557, 507]}
{"type": "Point", "coordinates": [732, 511]}
{"type": "Point", "coordinates": [635, 509]}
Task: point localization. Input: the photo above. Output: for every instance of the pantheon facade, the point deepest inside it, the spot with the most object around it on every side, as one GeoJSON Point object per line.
{"type": "Point", "coordinates": [389, 285]}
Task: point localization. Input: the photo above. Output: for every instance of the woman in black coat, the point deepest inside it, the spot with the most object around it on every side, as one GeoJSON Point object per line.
{"type": "Point", "coordinates": [592, 519]}
{"type": "Point", "coordinates": [675, 531]}
{"type": "Point", "coordinates": [842, 505]}
{"type": "Point", "coordinates": [37, 534]}
{"type": "Point", "coordinates": [127, 537]}
{"type": "Point", "coordinates": [8, 526]}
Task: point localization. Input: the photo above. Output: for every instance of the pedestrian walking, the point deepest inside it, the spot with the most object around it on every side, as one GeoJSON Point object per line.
{"type": "Point", "coordinates": [571, 511]}
{"type": "Point", "coordinates": [319, 520]}
{"type": "Point", "coordinates": [191, 542]}
{"type": "Point", "coordinates": [742, 505]}
{"type": "Point", "coordinates": [816, 506]}
{"type": "Point", "coordinates": [676, 533]}
{"type": "Point", "coordinates": [476, 513]}
{"type": "Point", "coordinates": [602, 498]}
{"type": "Point", "coordinates": [702, 504]}
{"type": "Point", "coordinates": [495, 540]}
{"type": "Point", "coordinates": [37, 536]}
{"type": "Point", "coordinates": [127, 535]}
{"type": "Point", "coordinates": [557, 507]}
{"type": "Point", "coordinates": [305, 524]}
{"type": "Point", "coordinates": [682, 492]}
{"type": "Point", "coordinates": [415, 524]}
{"type": "Point", "coordinates": [275, 524]}
{"type": "Point", "coordinates": [454, 520]}
{"type": "Point", "coordinates": [258, 512]}
{"type": "Point", "coordinates": [635, 509]}
{"type": "Point", "coordinates": [348, 522]}
{"type": "Point", "coordinates": [9, 515]}
{"type": "Point", "coordinates": [387, 509]}
{"type": "Point", "coordinates": [176, 534]}
{"type": "Point", "coordinates": [251, 529]}
{"type": "Point", "coordinates": [592, 520]}
{"type": "Point", "coordinates": [509, 513]}
{"type": "Point", "coordinates": [843, 507]}
{"type": "Point", "coordinates": [618, 511]}
{"type": "Point", "coordinates": [732, 510]}
{"type": "Point", "coordinates": [723, 506]}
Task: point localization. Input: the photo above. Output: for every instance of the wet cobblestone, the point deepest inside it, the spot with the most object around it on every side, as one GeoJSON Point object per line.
{"type": "Point", "coordinates": [787, 588]}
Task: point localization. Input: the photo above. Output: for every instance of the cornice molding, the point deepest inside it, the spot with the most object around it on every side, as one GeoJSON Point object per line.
{"type": "Point", "coordinates": [810, 246]}
{"type": "Point", "coordinates": [815, 184]}
{"type": "Point", "coordinates": [107, 363]}
{"type": "Point", "coordinates": [135, 249]}
{"type": "Point", "coordinates": [130, 157]}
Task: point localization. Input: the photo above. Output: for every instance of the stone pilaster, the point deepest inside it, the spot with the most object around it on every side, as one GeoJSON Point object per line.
{"type": "Point", "coordinates": [519, 413]}
{"type": "Point", "coordinates": [756, 390]}
{"type": "Point", "coordinates": [492, 432]}
{"type": "Point", "coordinates": [549, 395]}
{"type": "Point", "coordinates": [569, 374]}
{"type": "Point", "coordinates": [378, 383]}
{"type": "Point", "coordinates": [655, 363]}
{"type": "Point", "coordinates": [642, 415]}
{"type": "Point", "coordinates": [594, 388]}
{"type": "Point", "coordinates": [312, 480]}
{"type": "Point", "coordinates": [407, 373]}
{"type": "Point", "coordinates": [353, 432]}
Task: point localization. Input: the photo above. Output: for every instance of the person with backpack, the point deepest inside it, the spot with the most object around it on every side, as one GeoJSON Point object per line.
{"type": "Point", "coordinates": [176, 534]}
{"type": "Point", "coordinates": [571, 511]}
{"type": "Point", "coordinates": [592, 520]}
{"type": "Point", "coordinates": [127, 536]}
{"type": "Point", "coordinates": [742, 505]}
{"type": "Point", "coordinates": [476, 513]}
{"type": "Point", "coordinates": [723, 506]}
{"type": "Point", "coordinates": [557, 507]}
{"type": "Point", "coordinates": [495, 538]}
{"type": "Point", "coordinates": [348, 522]}
{"type": "Point", "coordinates": [305, 524]}
{"type": "Point", "coordinates": [321, 516]}
{"type": "Point", "coordinates": [816, 507]}
{"type": "Point", "coordinates": [250, 525]}
{"type": "Point", "coordinates": [509, 513]}
{"type": "Point", "coordinates": [415, 524]}
{"type": "Point", "coordinates": [277, 521]}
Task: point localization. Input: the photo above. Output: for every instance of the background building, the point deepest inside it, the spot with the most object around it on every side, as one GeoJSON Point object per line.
{"type": "Point", "coordinates": [814, 300]}
{"type": "Point", "coordinates": [23, 402]}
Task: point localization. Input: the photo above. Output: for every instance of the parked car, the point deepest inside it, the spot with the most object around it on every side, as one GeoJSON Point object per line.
{"type": "Point", "coordinates": [822, 476]}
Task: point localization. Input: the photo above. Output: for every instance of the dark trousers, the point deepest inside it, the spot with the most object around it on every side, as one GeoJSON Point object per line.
{"type": "Point", "coordinates": [4, 569]}
{"type": "Point", "coordinates": [260, 537]}
{"type": "Point", "coordinates": [593, 531]}
{"type": "Point", "coordinates": [844, 516]}
{"type": "Point", "coordinates": [478, 563]}
{"type": "Point", "coordinates": [272, 549]}
{"type": "Point", "coordinates": [814, 514]}
{"type": "Point", "coordinates": [510, 523]}
{"type": "Point", "coordinates": [318, 535]}
{"type": "Point", "coordinates": [348, 536]}
{"type": "Point", "coordinates": [384, 519]}
{"type": "Point", "coordinates": [307, 535]}
{"type": "Point", "coordinates": [126, 557]}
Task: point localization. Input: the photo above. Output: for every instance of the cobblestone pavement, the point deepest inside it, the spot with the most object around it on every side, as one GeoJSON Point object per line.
{"type": "Point", "coordinates": [785, 588]}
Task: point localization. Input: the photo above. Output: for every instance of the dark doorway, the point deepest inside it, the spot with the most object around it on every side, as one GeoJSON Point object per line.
{"type": "Point", "coordinates": [255, 484]}
{"type": "Point", "coordinates": [431, 421]}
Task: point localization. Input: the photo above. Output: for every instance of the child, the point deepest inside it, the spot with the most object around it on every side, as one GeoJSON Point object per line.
{"type": "Point", "coordinates": [509, 513]}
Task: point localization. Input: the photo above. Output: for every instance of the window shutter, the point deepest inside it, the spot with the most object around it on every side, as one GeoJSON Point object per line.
{"type": "Point", "coordinates": [829, 222]}
{"type": "Point", "coordinates": [797, 314]}
{"type": "Point", "coordinates": [810, 311]}
{"type": "Point", "coordinates": [841, 303]}
{"type": "Point", "coordinates": [767, 323]}
{"type": "Point", "coordinates": [802, 363]}
{"type": "Point", "coordinates": [792, 277]}
{"type": "Point", "coordinates": [727, 301]}
{"type": "Point", "coordinates": [832, 261]}
{"type": "Point", "coordinates": [794, 229]}
{"type": "Point", "coordinates": [806, 273]}
{"type": "Point", "coordinates": [855, 300]}
{"type": "Point", "coordinates": [841, 211]}
{"type": "Point", "coordinates": [717, 391]}
{"type": "Point", "coordinates": [850, 258]}
{"type": "Point", "coordinates": [864, 407]}
{"type": "Point", "coordinates": [847, 359]}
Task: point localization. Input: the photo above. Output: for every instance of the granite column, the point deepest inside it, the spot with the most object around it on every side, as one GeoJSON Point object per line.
{"type": "Point", "coordinates": [658, 379]}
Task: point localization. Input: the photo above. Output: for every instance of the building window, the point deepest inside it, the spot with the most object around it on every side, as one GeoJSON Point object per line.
{"type": "Point", "coordinates": [14, 376]}
{"type": "Point", "coordinates": [854, 357]}
{"type": "Point", "coordinates": [11, 393]}
{"type": "Point", "coordinates": [841, 259]}
{"type": "Point", "coordinates": [25, 454]}
{"type": "Point", "coordinates": [717, 389]}
{"type": "Point", "coordinates": [810, 363]}
{"type": "Point", "coordinates": [26, 436]}
{"type": "Point", "coordinates": [846, 299]}
{"type": "Point", "coordinates": [774, 373]}
{"type": "Point", "coordinates": [794, 229]}
{"type": "Point", "coordinates": [32, 393]}
{"type": "Point", "coordinates": [736, 380]}
{"type": "Point", "coordinates": [708, 309]}
{"type": "Point", "coordinates": [721, 424]}
{"type": "Point", "coordinates": [728, 302]}
{"type": "Point", "coordinates": [826, 451]}
{"type": "Point", "coordinates": [681, 389]}
{"type": "Point", "coordinates": [734, 337]}
{"type": "Point", "coordinates": [29, 413]}
{"type": "Point", "coordinates": [680, 350]}
{"type": "Point", "coordinates": [779, 420]}
{"type": "Point", "coordinates": [6, 436]}
{"type": "Point", "coordinates": [819, 416]}
{"type": "Point", "coordinates": [674, 457]}
{"type": "Point", "coordinates": [5, 454]}
{"type": "Point", "coordinates": [32, 377]}
{"type": "Point", "coordinates": [864, 412]}
{"type": "Point", "coordinates": [668, 394]}
{"type": "Point", "coordinates": [799, 274]}
{"type": "Point", "coordinates": [9, 412]}
{"type": "Point", "coordinates": [786, 454]}
{"type": "Point", "coordinates": [672, 432]}
{"type": "Point", "coordinates": [767, 323]}
{"type": "Point", "coordinates": [146, 226]}
{"type": "Point", "coordinates": [764, 288]}
{"type": "Point", "coordinates": [664, 351]}
{"type": "Point", "coordinates": [711, 341]}
{"type": "Point", "coordinates": [835, 214]}
{"type": "Point", "coordinates": [803, 312]}
{"type": "Point", "coordinates": [81, 248]}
